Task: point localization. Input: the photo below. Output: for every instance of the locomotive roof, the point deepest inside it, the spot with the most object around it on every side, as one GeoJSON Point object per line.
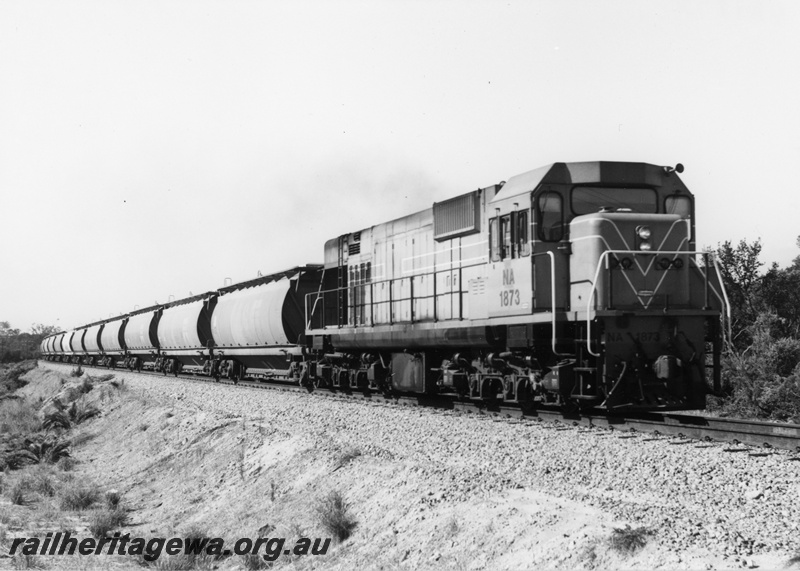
{"type": "Point", "coordinates": [594, 172]}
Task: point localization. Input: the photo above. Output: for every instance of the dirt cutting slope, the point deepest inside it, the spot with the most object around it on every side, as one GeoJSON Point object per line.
{"type": "Point", "coordinates": [426, 489]}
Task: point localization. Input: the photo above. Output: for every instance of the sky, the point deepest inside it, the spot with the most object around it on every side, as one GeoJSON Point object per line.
{"type": "Point", "coordinates": [154, 149]}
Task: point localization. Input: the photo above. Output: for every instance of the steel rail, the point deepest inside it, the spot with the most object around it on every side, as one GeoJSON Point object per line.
{"type": "Point", "coordinates": [690, 426]}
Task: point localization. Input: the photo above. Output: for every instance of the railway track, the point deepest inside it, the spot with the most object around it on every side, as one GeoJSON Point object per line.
{"type": "Point", "coordinates": [689, 426]}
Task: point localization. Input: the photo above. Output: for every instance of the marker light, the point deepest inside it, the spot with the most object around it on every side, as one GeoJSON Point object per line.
{"type": "Point", "coordinates": [664, 263]}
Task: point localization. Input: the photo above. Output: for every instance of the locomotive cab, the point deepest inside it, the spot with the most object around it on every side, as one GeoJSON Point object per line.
{"type": "Point", "coordinates": [642, 305]}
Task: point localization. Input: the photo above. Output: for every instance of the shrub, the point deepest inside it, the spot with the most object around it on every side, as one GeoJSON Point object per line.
{"type": "Point", "coordinates": [35, 450]}
{"type": "Point", "coordinates": [10, 379]}
{"type": "Point", "coordinates": [76, 371]}
{"type": "Point", "coordinates": [58, 419]}
{"type": "Point", "coordinates": [629, 540]}
{"type": "Point", "coordinates": [49, 449]}
{"type": "Point", "coordinates": [103, 522]}
{"type": "Point", "coordinates": [334, 515]}
{"type": "Point", "coordinates": [80, 497]}
{"type": "Point", "coordinates": [763, 380]}
{"type": "Point", "coordinates": [80, 411]}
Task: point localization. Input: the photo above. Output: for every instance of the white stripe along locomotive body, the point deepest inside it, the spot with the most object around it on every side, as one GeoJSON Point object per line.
{"type": "Point", "coordinates": [574, 284]}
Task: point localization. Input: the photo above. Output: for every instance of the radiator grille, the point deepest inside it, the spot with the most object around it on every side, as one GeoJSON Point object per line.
{"type": "Point", "coordinates": [458, 216]}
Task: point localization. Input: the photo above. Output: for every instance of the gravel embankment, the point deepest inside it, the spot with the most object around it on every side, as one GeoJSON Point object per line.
{"type": "Point", "coordinates": [726, 499]}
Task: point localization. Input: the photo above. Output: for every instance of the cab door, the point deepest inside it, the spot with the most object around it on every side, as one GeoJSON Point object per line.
{"type": "Point", "coordinates": [550, 251]}
{"type": "Point", "coordinates": [510, 287]}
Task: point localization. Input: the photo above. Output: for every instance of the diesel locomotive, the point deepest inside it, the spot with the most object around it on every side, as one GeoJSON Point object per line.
{"type": "Point", "coordinates": [575, 284]}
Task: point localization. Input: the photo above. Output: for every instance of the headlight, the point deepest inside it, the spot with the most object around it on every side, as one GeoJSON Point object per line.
{"type": "Point", "coordinates": [645, 246]}
{"type": "Point", "coordinates": [644, 232]}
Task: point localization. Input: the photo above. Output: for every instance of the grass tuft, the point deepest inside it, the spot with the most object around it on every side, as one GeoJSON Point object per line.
{"type": "Point", "coordinates": [629, 540]}
{"type": "Point", "coordinates": [67, 463]}
{"type": "Point", "coordinates": [112, 498]}
{"type": "Point", "coordinates": [103, 522]}
{"type": "Point", "coordinates": [345, 457]}
{"type": "Point", "coordinates": [334, 515]}
{"type": "Point", "coordinates": [25, 561]}
{"type": "Point", "coordinates": [16, 494]}
{"type": "Point", "coordinates": [18, 417]}
{"type": "Point", "coordinates": [79, 497]}
{"type": "Point", "coordinates": [42, 483]}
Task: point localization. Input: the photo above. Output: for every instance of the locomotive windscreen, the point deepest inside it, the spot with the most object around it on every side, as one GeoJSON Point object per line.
{"type": "Point", "coordinates": [589, 199]}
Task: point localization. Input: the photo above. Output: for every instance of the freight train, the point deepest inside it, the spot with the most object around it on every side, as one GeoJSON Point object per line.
{"type": "Point", "coordinates": [574, 284]}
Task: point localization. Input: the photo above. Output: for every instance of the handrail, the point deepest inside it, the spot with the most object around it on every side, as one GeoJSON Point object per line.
{"type": "Point", "coordinates": [390, 281]}
{"type": "Point", "coordinates": [305, 301]}
{"type": "Point", "coordinates": [552, 297]}
{"type": "Point", "coordinates": [604, 257]}
{"type": "Point", "coordinates": [727, 302]}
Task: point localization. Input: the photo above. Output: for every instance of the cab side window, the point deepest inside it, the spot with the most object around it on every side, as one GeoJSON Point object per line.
{"type": "Point", "coordinates": [522, 241]}
{"type": "Point", "coordinates": [505, 236]}
{"type": "Point", "coordinates": [509, 236]}
{"type": "Point", "coordinates": [550, 209]}
{"type": "Point", "coordinates": [494, 240]}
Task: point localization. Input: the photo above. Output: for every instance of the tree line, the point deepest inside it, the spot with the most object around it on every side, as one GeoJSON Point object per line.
{"type": "Point", "coordinates": [761, 365]}
{"type": "Point", "coordinates": [16, 345]}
